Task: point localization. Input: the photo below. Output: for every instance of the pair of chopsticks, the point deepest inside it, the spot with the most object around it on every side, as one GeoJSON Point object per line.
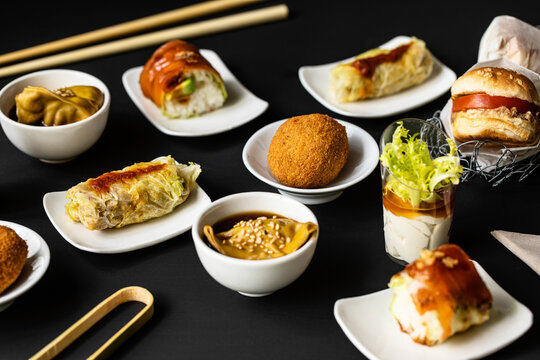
{"type": "Point", "coordinates": [225, 23]}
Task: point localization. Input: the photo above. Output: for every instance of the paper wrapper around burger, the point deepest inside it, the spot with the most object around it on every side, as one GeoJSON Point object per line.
{"type": "Point", "coordinates": [490, 156]}
{"type": "Point", "coordinates": [513, 39]}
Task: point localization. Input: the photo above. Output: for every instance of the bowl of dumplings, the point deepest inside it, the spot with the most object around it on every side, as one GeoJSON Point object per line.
{"type": "Point", "coordinates": [54, 115]}
{"type": "Point", "coordinates": [255, 243]}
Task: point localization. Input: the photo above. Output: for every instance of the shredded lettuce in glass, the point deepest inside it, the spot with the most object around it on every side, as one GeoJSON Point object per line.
{"type": "Point", "coordinates": [408, 159]}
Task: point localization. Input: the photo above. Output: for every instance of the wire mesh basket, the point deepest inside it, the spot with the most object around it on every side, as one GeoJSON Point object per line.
{"type": "Point", "coordinates": [503, 168]}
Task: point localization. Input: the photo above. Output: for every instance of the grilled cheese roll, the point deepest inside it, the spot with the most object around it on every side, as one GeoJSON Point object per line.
{"type": "Point", "coordinates": [379, 72]}
{"type": "Point", "coordinates": [439, 295]}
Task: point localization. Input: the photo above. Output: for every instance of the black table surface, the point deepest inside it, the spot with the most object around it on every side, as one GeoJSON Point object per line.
{"type": "Point", "coordinates": [195, 317]}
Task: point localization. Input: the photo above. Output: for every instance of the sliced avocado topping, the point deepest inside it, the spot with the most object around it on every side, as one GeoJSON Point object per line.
{"type": "Point", "coordinates": [186, 87]}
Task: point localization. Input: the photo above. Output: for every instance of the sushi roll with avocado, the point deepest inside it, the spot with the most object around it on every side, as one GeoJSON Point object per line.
{"type": "Point", "coordinates": [438, 295]}
{"type": "Point", "coordinates": [181, 82]}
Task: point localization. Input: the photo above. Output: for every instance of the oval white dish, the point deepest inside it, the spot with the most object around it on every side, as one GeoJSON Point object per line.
{"type": "Point", "coordinates": [316, 80]}
{"type": "Point", "coordinates": [127, 238]}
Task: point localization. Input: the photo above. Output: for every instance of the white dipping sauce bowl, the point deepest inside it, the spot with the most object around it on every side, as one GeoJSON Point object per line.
{"type": "Point", "coordinates": [53, 144]}
{"type": "Point", "coordinates": [254, 277]}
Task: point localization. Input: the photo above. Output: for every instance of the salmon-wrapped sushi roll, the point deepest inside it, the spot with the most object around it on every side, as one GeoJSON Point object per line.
{"type": "Point", "coordinates": [181, 82]}
{"type": "Point", "coordinates": [439, 295]}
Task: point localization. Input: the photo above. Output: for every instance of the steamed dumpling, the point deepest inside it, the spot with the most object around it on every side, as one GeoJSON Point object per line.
{"type": "Point", "coordinates": [39, 106]}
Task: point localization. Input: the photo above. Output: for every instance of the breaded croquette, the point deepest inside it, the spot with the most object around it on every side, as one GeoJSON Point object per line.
{"type": "Point", "coordinates": [13, 253]}
{"type": "Point", "coordinates": [308, 151]}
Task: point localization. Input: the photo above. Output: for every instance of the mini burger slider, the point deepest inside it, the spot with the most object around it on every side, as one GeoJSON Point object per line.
{"type": "Point", "coordinates": [496, 104]}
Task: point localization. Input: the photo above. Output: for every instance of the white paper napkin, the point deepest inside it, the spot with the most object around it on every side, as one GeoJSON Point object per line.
{"type": "Point", "coordinates": [524, 246]}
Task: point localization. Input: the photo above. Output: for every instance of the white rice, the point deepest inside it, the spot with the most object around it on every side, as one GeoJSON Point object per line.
{"type": "Point", "coordinates": [208, 95]}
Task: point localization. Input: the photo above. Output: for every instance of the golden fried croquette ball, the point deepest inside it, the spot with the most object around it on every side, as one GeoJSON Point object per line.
{"type": "Point", "coordinates": [308, 151]}
{"type": "Point", "coordinates": [13, 253]}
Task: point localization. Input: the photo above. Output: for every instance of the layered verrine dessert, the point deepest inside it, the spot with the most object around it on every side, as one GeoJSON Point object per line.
{"type": "Point", "coordinates": [420, 172]}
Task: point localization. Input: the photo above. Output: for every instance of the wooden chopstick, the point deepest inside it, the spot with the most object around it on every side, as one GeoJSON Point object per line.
{"type": "Point", "coordinates": [230, 22]}
{"type": "Point", "coordinates": [131, 293]}
{"type": "Point", "coordinates": [142, 24]}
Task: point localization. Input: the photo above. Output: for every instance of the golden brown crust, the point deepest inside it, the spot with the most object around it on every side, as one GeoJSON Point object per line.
{"type": "Point", "coordinates": [104, 182]}
{"type": "Point", "coordinates": [496, 82]}
{"type": "Point", "coordinates": [308, 151]}
{"type": "Point", "coordinates": [507, 126]}
{"type": "Point", "coordinates": [13, 253]}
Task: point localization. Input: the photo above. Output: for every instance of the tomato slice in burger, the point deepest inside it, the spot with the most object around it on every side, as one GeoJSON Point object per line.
{"type": "Point", "coordinates": [485, 101]}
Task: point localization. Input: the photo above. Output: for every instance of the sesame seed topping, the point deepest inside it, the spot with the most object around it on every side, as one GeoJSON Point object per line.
{"type": "Point", "coordinates": [258, 238]}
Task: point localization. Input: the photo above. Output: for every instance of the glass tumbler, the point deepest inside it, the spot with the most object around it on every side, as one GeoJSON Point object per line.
{"type": "Point", "coordinates": [408, 227]}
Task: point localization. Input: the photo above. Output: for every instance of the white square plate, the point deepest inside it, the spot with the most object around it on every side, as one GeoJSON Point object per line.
{"type": "Point", "coordinates": [127, 238]}
{"type": "Point", "coordinates": [316, 80]}
{"type": "Point", "coordinates": [369, 325]}
{"type": "Point", "coordinates": [240, 107]}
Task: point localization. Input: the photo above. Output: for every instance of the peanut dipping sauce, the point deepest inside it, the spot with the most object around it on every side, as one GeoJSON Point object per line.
{"type": "Point", "coordinates": [450, 281]}
{"type": "Point", "coordinates": [257, 235]}
{"type": "Point", "coordinates": [441, 208]}
{"type": "Point", "coordinates": [229, 222]}
{"type": "Point", "coordinates": [367, 66]}
{"type": "Point", "coordinates": [103, 182]}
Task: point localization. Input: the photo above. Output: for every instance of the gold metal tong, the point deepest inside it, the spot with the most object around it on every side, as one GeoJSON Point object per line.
{"type": "Point", "coordinates": [131, 293]}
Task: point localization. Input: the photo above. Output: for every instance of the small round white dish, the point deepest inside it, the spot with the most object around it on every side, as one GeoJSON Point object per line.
{"type": "Point", "coordinates": [240, 107]}
{"type": "Point", "coordinates": [370, 326]}
{"type": "Point", "coordinates": [363, 159]}
{"type": "Point", "coordinates": [34, 268]}
{"type": "Point", "coordinates": [316, 80]}
{"type": "Point", "coordinates": [254, 278]}
{"type": "Point", "coordinates": [53, 144]}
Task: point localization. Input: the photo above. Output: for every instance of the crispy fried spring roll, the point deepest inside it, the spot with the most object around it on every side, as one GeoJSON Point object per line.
{"type": "Point", "coordinates": [439, 295]}
{"type": "Point", "coordinates": [379, 72]}
{"type": "Point", "coordinates": [181, 82]}
{"type": "Point", "coordinates": [132, 195]}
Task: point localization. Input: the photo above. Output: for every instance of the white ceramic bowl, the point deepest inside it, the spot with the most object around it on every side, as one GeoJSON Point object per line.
{"type": "Point", "coordinates": [54, 144]}
{"type": "Point", "coordinates": [363, 159]}
{"type": "Point", "coordinates": [254, 277]}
